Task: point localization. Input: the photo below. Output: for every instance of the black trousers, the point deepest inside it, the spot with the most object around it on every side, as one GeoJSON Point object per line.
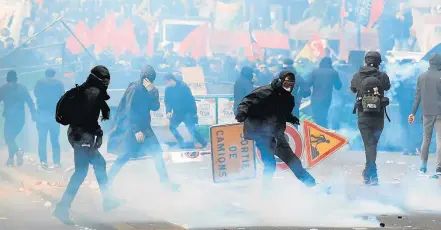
{"type": "Point", "coordinates": [83, 156]}
{"type": "Point", "coordinates": [53, 129]}
{"type": "Point", "coordinates": [190, 122]}
{"type": "Point", "coordinates": [270, 147]}
{"type": "Point", "coordinates": [370, 130]}
{"type": "Point", "coordinates": [12, 127]}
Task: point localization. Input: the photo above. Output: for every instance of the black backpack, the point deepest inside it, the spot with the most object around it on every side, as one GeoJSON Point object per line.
{"type": "Point", "coordinates": [370, 94]}
{"type": "Point", "coordinates": [69, 107]}
{"type": "Point", "coordinates": [369, 97]}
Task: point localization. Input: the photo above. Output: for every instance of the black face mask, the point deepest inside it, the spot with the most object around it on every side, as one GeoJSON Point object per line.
{"type": "Point", "coordinates": [104, 82]}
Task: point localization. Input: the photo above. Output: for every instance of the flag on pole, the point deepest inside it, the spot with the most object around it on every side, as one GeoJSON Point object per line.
{"type": "Point", "coordinates": [255, 51]}
{"type": "Point", "coordinates": [313, 50]}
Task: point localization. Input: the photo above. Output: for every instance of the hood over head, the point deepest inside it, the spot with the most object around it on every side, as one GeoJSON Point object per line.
{"type": "Point", "coordinates": [285, 79]}
{"type": "Point", "coordinates": [435, 62]}
{"type": "Point", "coordinates": [148, 72]}
{"type": "Point", "coordinates": [247, 73]}
{"type": "Point", "coordinates": [99, 77]}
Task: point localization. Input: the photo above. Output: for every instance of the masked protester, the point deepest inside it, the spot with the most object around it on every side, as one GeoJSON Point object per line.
{"type": "Point", "coordinates": [180, 107]}
{"type": "Point", "coordinates": [265, 112]}
{"type": "Point", "coordinates": [47, 91]}
{"type": "Point", "coordinates": [243, 86]}
{"type": "Point", "coordinates": [428, 95]}
{"type": "Point", "coordinates": [301, 89]}
{"type": "Point", "coordinates": [14, 96]}
{"type": "Point", "coordinates": [133, 136]}
{"type": "Point", "coordinates": [370, 84]}
{"type": "Point", "coordinates": [85, 136]}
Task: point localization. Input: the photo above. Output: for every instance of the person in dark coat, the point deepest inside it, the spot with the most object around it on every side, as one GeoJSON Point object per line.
{"type": "Point", "coordinates": [85, 136]}
{"type": "Point", "coordinates": [47, 91]}
{"type": "Point", "coordinates": [132, 135]}
{"type": "Point", "coordinates": [243, 86]}
{"type": "Point", "coordinates": [180, 106]}
{"type": "Point", "coordinates": [428, 94]}
{"type": "Point", "coordinates": [301, 89]}
{"type": "Point", "coordinates": [265, 112]}
{"type": "Point", "coordinates": [323, 81]}
{"type": "Point", "coordinates": [370, 124]}
{"type": "Point", "coordinates": [14, 96]}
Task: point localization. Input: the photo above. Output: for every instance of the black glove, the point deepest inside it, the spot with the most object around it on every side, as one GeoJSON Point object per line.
{"type": "Point", "coordinates": [294, 120]}
{"type": "Point", "coordinates": [98, 142]}
{"type": "Point", "coordinates": [241, 117]}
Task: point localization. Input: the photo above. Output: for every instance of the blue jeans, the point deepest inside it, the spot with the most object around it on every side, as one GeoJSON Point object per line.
{"type": "Point", "coordinates": [53, 129]}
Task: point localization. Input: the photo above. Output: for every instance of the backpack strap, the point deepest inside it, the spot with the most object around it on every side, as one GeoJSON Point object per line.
{"type": "Point", "coordinates": [387, 115]}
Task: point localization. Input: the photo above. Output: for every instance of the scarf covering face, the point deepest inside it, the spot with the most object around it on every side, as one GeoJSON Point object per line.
{"type": "Point", "coordinates": [99, 77]}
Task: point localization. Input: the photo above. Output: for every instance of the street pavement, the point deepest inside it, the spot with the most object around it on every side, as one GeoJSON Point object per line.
{"type": "Point", "coordinates": [404, 200]}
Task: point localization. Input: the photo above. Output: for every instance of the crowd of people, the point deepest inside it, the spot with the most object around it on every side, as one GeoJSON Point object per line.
{"type": "Point", "coordinates": [264, 112]}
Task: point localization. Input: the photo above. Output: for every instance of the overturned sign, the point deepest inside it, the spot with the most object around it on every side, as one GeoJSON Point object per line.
{"type": "Point", "coordinates": [233, 157]}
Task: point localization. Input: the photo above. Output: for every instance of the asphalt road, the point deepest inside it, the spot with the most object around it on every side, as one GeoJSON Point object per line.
{"type": "Point", "coordinates": [404, 200]}
{"type": "Point", "coordinates": [23, 210]}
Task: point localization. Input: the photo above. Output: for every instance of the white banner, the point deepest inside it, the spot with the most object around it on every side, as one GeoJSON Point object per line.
{"type": "Point", "coordinates": [225, 111]}
{"type": "Point", "coordinates": [206, 111]}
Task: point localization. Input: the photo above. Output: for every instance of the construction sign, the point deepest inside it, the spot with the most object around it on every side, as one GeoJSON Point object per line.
{"type": "Point", "coordinates": [233, 157]}
{"type": "Point", "coordinates": [320, 143]}
{"type": "Point", "coordinates": [295, 142]}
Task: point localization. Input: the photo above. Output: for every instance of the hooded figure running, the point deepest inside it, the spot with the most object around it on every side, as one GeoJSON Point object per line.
{"type": "Point", "coordinates": [85, 135]}
{"type": "Point", "coordinates": [133, 136]}
{"type": "Point", "coordinates": [265, 112]}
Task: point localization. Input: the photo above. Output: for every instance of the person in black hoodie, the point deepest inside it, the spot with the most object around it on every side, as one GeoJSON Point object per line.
{"type": "Point", "coordinates": [180, 106]}
{"type": "Point", "coordinates": [132, 135]}
{"type": "Point", "coordinates": [323, 80]}
{"type": "Point", "coordinates": [85, 135]}
{"type": "Point", "coordinates": [47, 91]}
{"type": "Point", "coordinates": [301, 89]}
{"type": "Point", "coordinates": [14, 96]}
{"type": "Point", "coordinates": [265, 112]}
{"type": "Point", "coordinates": [370, 124]}
{"type": "Point", "coordinates": [243, 86]}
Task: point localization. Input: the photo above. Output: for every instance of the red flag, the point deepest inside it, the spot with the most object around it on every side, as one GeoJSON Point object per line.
{"type": "Point", "coordinates": [313, 50]}
{"type": "Point", "coordinates": [103, 33]}
{"type": "Point", "coordinates": [124, 40]}
{"type": "Point", "coordinates": [376, 11]}
{"type": "Point", "coordinates": [83, 33]}
{"type": "Point", "coordinates": [253, 51]}
{"type": "Point", "coordinates": [196, 42]}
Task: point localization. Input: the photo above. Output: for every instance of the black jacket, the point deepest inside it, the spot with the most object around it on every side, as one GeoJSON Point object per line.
{"type": "Point", "coordinates": [133, 116]}
{"type": "Point", "coordinates": [95, 97]}
{"type": "Point", "coordinates": [365, 72]}
{"type": "Point", "coordinates": [14, 97]}
{"type": "Point", "coordinates": [47, 92]}
{"type": "Point", "coordinates": [180, 100]}
{"type": "Point", "coordinates": [242, 87]}
{"type": "Point", "coordinates": [267, 109]}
